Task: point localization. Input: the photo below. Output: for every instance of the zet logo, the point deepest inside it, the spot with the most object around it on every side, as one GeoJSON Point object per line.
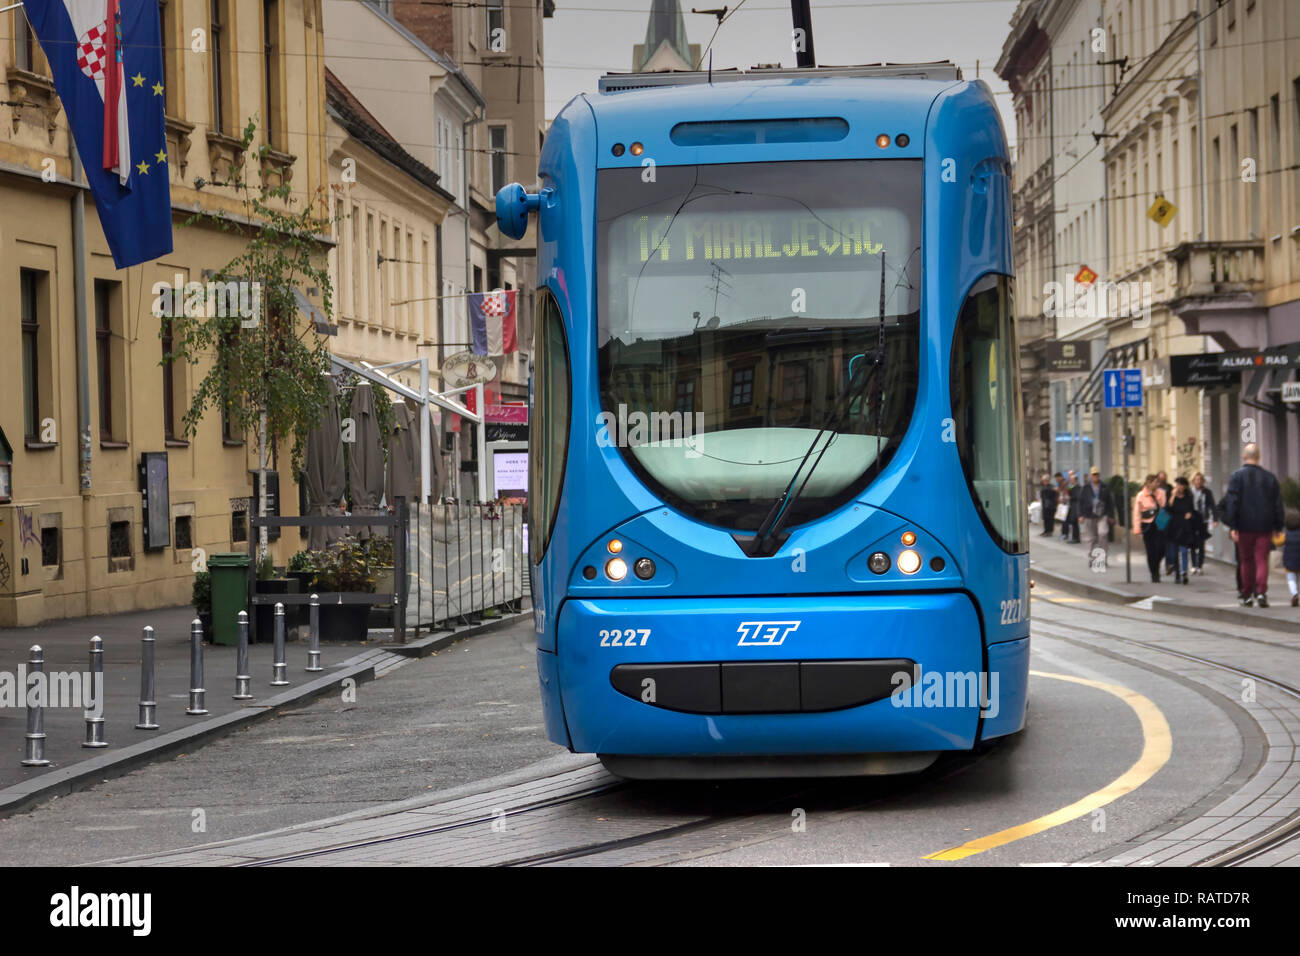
{"type": "Point", "coordinates": [769, 633]}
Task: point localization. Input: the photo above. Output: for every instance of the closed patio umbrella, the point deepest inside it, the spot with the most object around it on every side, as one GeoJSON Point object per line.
{"type": "Point", "coordinates": [365, 459]}
{"type": "Point", "coordinates": [324, 471]}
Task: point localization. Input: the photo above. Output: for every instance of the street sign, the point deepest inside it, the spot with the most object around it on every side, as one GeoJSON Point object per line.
{"type": "Point", "coordinates": [1291, 391]}
{"type": "Point", "coordinates": [1162, 211]}
{"type": "Point", "coordinates": [1085, 276]}
{"type": "Point", "coordinates": [1122, 387]}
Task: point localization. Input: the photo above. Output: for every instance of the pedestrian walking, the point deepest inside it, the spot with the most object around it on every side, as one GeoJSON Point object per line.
{"type": "Point", "coordinates": [1097, 511]}
{"type": "Point", "coordinates": [1291, 554]}
{"type": "Point", "coordinates": [1048, 496]}
{"type": "Point", "coordinates": [1072, 514]}
{"type": "Point", "coordinates": [1182, 530]}
{"type": "Point", "coordinates": [1203, 504]}
{"type": "Point", "coordinates": [1147, 505]}
{"type": "Point", "coordinates": [1162, 480]}
{"type": "Point", "coordinates": [1252, 508]}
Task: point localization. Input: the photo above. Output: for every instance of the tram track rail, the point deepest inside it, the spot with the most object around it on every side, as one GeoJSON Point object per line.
{"type": "Point", "coordinates": [1287, 830]}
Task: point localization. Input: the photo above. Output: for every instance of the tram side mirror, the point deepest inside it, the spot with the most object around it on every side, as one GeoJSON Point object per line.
{"type": "Point", "coordinates": [514, 203]}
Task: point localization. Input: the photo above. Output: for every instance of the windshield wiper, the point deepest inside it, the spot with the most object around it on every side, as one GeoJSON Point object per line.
{"type": "Point", "coordinates": [762, 543]}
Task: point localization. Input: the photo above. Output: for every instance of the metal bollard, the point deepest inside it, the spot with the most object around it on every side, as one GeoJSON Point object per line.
{"type": "Point", "coordinates": [242, 678]}
{"type": "Point", "coordinates": [148, 690]}
{"type": "Point", "coordinates": [36, 714]}
{"type": "Point", "coordinates": [278, 666]}
{"type": "Point", "coordinates": [313, 624]}
{"type": "Point", "coordinates": [198, 695]}
{"type": "Point", "coordinates": [95, 716]}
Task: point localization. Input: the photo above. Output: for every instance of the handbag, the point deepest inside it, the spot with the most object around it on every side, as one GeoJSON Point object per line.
{"type": "Point", "coordinates": [1148, 514]}
{"type": "Point", "coordinates": [1162, 519]}
{"type": "Point", "coordinates": [1062, 511]}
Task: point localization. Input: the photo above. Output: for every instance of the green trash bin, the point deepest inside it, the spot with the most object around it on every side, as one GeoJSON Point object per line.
{"type": "Point", "coordinates": [229, 594]}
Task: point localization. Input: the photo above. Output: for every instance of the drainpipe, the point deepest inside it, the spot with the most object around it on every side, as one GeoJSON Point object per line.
{"type": "Point", "coordinates": [1200, 116]}
{"type": "Point", "coordinates": [479, 117]}
{"type": "Point", "coordinates": [83, 360]}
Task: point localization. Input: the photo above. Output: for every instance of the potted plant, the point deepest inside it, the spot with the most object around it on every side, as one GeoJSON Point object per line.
{"type": "Point", "coordinates": [343, 568]}
{"type": "Point", "coordinates": [269, 582]}
{"type": "Point", "coordinates": [201, 598]}
{"type": "Point", "coordinates": [379, 559]}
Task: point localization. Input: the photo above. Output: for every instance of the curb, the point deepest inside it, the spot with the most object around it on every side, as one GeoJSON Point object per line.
{"type": "Point", "coordinates": [436, 642]}
{"type": "Point", "coordinates": [1115, 596]}
{"type": "Point", "coordinates": [86, 773]}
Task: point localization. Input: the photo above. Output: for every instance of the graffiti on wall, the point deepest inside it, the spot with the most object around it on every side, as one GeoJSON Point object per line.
{"type": "Point", "coordinates": [26, 528]}
{"type": "Point", "coordinates": [4, 566]}
{"type": "Point", "coordinates": [1187, 455]}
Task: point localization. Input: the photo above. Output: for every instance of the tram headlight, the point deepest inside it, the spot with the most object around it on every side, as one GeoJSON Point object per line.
{"type": "Point", "coordinates": [614, 546]}
{"type": "Point", "coordinates": [643, 568]}
{"type": "Point", "coordinates": [616, 569]}
{"type": "Point", "coordinates": [909, 562]}
{"type": "Point", "coordinates": [878, 562]}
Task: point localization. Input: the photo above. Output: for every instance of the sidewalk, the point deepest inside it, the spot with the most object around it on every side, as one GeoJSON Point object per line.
{"type": "Point", "coordinates": [1208, 596]}
{"type": "Point", "coordinates": [66, 645]}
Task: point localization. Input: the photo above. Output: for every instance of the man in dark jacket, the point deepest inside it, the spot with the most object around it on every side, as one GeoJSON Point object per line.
{"type": "Point", "coordinates": [1203, 504]}
{"type": "Point", "coordinates": [1071, 532]}
{"type": "Point", "coordinates": [1047, 495]}
{"type": "Point", "coordinates": [1096, 512]}
{"type": "Point", "coordinates": [1252, 508]}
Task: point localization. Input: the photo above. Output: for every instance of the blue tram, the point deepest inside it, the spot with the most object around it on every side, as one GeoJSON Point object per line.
{"type": "Point", "coordinates": [777, 505]}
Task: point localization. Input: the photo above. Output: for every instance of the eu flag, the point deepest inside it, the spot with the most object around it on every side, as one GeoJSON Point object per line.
{"type": "Point", "coordinates": [106, 57]}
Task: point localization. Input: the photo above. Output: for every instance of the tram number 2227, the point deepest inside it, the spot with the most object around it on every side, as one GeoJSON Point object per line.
{"type": "Point", "coordinates": [629, 637]}
{"type": "Point", "coordinates": [1013, 611]}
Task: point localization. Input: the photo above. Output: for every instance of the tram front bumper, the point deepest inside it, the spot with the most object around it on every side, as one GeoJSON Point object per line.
{"type": "Point", "coordinates": [826, 675]}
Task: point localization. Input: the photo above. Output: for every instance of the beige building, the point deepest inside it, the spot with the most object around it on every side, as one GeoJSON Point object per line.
{"type": "Point", "coordinates": [1214, 282]}
{"type": "Point", "coordinates": [72, 540]}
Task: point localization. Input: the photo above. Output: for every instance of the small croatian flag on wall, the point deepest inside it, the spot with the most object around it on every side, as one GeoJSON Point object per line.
{"type": "Point", "coordinates": [106, 58]}
{"type": "Point", "coordinates": [492, 316]}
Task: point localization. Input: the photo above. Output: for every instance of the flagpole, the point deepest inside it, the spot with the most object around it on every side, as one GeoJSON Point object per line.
{"type": "Point", "coordinates": [12, 6]}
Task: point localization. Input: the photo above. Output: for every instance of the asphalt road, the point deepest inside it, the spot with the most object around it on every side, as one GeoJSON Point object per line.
{"type": "Point", "coordinates": [468, 712]}
{"type": "Point", "coordinates": [471, 712]}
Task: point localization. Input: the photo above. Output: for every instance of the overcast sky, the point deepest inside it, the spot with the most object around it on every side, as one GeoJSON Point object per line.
{"type": "Point", "coordinates": [586, 38]}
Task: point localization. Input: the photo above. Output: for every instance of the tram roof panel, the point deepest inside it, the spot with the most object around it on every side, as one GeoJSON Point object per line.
{"type": "Point", "coordinates": [631, 100]}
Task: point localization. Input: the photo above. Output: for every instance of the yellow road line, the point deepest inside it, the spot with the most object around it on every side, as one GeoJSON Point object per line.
{"type": "Point", "coordinates": [1156, 748]}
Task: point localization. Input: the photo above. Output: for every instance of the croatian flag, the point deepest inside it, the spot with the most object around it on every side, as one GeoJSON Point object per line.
{"type": "Point", "coordinates": [492, 315]}
{"type": "Point", "coordinates": [106, 57]}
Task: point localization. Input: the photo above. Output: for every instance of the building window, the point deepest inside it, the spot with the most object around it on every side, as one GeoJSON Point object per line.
{"type": "Point", "coordinates": [742, 387]}
{"type": "Point", "coordinates": [51, 548]}
{"type": "Point", "coordinates": [498, 143]}
{"type": "Point", "coordinates": [184, 537]}
{"type": "Point", "coordinates": [685, 396]}
{"type": "Point", "coordinates": [104, 356]}
{"type": "Point", "coordinates": [119, 539]}
{"type": "Point", "coordinates": [31, 330]}
{"type": "Point", "coordinates": [496, 26]}
{"type": "Point", "coordinates": [272, 79]}
{"type": "Point", "coordinates": [221, 107]}
{"type": "Point", "coordinates": [239, 524]}
{"type": "Point", "coordinates": [24, 42]}
{"type": "Point", "coordinates": [167, 20]}
{"type": "Point", "coordinates": [168, 382]}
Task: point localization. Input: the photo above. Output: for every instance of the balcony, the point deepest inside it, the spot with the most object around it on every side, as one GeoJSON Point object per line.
{"type": "Point", "coordinates": [1217, 289]}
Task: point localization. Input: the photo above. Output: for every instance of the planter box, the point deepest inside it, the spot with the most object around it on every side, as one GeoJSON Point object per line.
{"type": "Point", "coordinates": [344, 622]}
{"type": "Point", "coordinates": [266, 612]}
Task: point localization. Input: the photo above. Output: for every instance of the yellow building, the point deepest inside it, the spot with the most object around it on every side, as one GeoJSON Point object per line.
{"type": "Point", "coordinates": [72, 540]}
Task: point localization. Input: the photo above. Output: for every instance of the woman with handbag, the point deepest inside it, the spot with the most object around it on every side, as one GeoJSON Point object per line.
{"type": "Point", "coordinates": [1148, 505]}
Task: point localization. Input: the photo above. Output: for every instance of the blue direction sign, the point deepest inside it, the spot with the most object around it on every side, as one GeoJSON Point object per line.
{"type": "Point", "coordinates": [1122, 387]}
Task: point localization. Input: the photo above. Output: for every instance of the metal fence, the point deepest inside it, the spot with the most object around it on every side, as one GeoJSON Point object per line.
{"type": "Point", "coordinates": [462, 561]}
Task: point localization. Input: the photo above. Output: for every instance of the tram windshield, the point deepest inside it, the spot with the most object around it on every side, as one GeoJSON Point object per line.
{"type": "Point", "coordinates": [735, 303]}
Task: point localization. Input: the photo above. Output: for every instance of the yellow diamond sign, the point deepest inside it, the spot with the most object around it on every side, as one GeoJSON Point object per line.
{"type": "Point", "coordinates": [1162, 211]}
